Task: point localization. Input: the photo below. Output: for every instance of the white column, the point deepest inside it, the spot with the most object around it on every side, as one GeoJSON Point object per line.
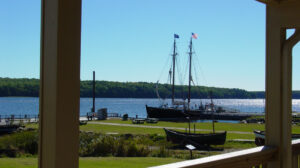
{"type": "Point", "coordinates": [275, 37]}
{"type": "Point", "coordinates": [60, 84]}
{"type": "Point", "coordinates": [279, 80]}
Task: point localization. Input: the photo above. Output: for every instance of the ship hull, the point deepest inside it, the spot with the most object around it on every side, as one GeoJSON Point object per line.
{"type": "Point", "coordinates": [165, 113]}
{"type": "Point", "coordinates": [170, 114]}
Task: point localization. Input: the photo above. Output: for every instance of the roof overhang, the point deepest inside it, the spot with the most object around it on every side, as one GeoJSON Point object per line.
{"type": "Point", "coordinates": [277, 2]}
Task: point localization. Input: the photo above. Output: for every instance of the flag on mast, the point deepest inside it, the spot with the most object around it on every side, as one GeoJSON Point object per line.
{"type": "Point", "coordinates": [176, 36]}
{"type": "Point", "coordinates": [194, 35]}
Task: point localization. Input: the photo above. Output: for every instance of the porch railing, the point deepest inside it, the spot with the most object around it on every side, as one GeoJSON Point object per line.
{"type": "Point", "coordinates": [255, 157]}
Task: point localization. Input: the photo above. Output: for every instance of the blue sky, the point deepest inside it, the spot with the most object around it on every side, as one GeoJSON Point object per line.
{"type": "Point", "coordinates": [130, 40]}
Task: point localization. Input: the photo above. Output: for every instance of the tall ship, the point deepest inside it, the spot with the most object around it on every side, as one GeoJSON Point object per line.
{"type": "Point", "coordinates": [180, 109]}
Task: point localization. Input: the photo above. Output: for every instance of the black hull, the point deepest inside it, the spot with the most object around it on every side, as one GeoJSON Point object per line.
{"type": "Point", "coordinates": [260, 137]}
{"type": "Point", "coordinates": [6, 129]}
{"type": "Point", "coordinates": [196, 139]}
{"type": "Point", "coordinates": [165, 113]}
{"type": "Point", "coordinates": [180, 114]}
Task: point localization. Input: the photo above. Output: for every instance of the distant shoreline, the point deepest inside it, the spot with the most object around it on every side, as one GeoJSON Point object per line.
{"type": "Point", "coordinates": [25, 87]}
{"type": "Point", "coordinates": [122, 97]}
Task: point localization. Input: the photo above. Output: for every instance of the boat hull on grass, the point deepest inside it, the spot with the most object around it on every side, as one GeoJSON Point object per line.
{"type": "Point", "coordinates": [196, 139]}
{"type": "Point", "coordinates": [260, 137]}
{"type": "Point", "coordinates": [7, 129]}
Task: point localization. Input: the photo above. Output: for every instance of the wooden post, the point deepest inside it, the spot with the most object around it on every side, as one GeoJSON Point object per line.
{"type": "Point", "coordinates": [279, 80]}
{"type": "Point", "coordinates": [60, 84]}
{"type": "Point", "coordinates": [189, 120]}
{"type": "Point", "coordinates": [94, 90]}
{"type": "Point", "coordinates": [194, 128]}
{"type": "Point", "coordinates": [213, 124]}
{"type": "Point", "coordinates": [295, 161]}
{"type": "Point", "coordinates": [274, 123]}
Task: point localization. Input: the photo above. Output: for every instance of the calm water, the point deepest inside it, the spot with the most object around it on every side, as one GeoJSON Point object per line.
{"type": "Point", "coordinates": [30, 105]}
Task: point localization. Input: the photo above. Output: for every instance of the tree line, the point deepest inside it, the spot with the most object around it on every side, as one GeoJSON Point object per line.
{"type": "Point", "coordinates": [108, 89]}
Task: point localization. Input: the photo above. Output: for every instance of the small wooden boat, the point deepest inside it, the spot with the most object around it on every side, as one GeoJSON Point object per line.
{"type": "Point", "coordinates": [6, 129]}
{"type": "Point", "coordinates": [195, 139]}
{"type": "Point", "coordinates": [82, 122]}
{"type": "Point", "coordinates": [138, 121]}
{"type": "Point", "coordinates": [260, 137]}
{"type": "Point", "coordinates": [152, 120]}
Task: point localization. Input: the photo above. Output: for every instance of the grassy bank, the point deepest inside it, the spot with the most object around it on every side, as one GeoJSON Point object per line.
{"type": "Point", "coordinates": [99, 149]}
{"type": "Point", "coordinates": [218, 126]}
{"type": "Point", "coordinates": [207, 126]}
{"type": "Point", "coordinates": [112, 129]}
{"type": "Point", "coordinates": [111, 162]}
{"type": "Point", "coordinates": [245, 129]}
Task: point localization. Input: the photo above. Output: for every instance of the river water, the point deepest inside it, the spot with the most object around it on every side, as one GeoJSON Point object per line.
{"type": "Point", "coordinates": [131, 106]}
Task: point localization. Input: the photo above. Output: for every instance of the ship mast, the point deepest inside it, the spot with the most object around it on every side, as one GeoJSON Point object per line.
{"type": "Point", "coordinates": [173, 78]}
{"type": "Point", "coordinates": [190, 73]}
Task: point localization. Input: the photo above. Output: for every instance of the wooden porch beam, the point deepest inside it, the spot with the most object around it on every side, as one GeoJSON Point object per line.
{"type": "Point", "coordinates": [279, 80]}
{"type": "Point", "coordinates": [287, 14]}
{"type": "Point", "coordinates": [60, 84]}
{"type": "Point", "coordinates": [277, 2]}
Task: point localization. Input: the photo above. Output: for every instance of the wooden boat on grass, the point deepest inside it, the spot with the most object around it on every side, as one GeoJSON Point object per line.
{"type": "Point", "coordinates": [196, 139]}
{"type": "Point", "coordinates": [6, 129]}
{"type": "Point", "coordinates": [260, 137]}
{"type": "Point", "coordinates": [83, 122]}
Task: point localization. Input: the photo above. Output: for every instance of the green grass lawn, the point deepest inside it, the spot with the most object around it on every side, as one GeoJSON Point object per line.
{"type": "Point", "coordinates": [136, 130]}
{"type": "Point", "coordinates": [120, 129]}
{"type": "Point", "coordinates": [137, 162]}
{"type": "Point", "coordinates": [218, 126]}
{"type": "Point", "coordinates": [206, 125]}
{"type": "Point", "coordinates": [18, 162]}
{"type": "Point", "coordinates": [93, 162]}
